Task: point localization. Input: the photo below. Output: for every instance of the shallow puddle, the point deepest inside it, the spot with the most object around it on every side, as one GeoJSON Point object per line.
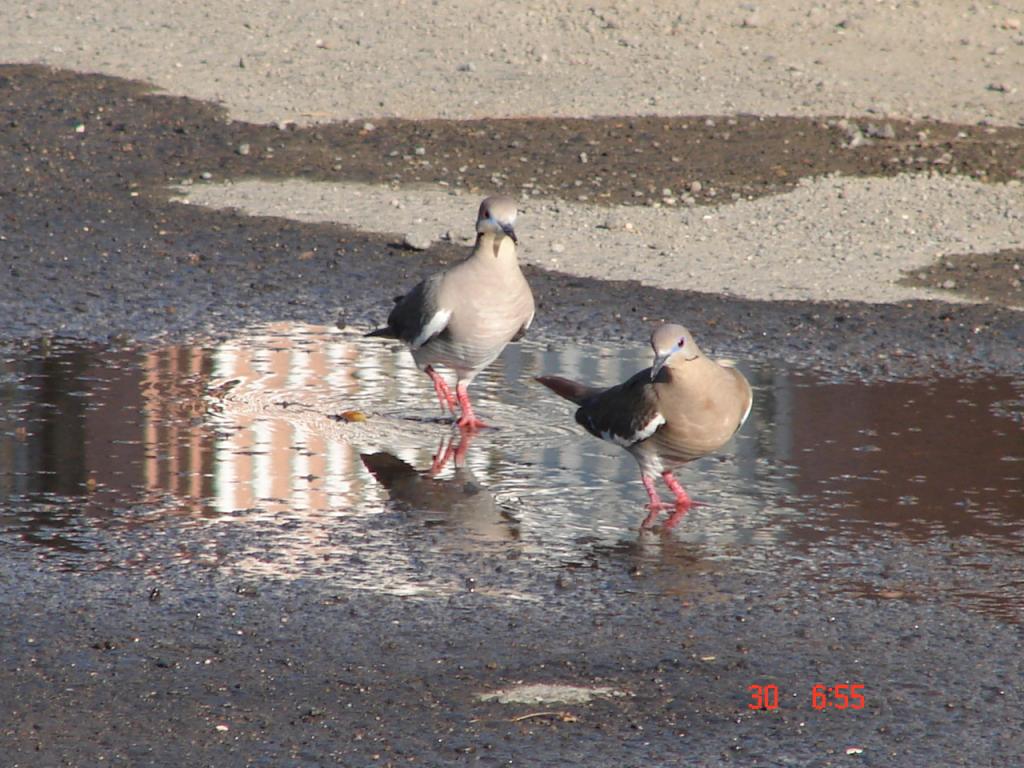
{"type": "Point", "coordinates": [305, 452]}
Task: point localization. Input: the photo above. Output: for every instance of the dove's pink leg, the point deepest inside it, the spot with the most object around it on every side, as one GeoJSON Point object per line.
{"type": "Point", "coordinates": [444, 394]}
{"type": "Point", "coordinates": [683, 501]}
{"type": "Point", "coordinates": [655, 505]}
{"type": "Point", "coordinates": [673, 485]}
{"type": "Point", "coordinates": [467, 420]}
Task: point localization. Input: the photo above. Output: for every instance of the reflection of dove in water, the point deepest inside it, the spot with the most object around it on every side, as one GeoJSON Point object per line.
{"type": "Point", "coordinates": [459, 500]}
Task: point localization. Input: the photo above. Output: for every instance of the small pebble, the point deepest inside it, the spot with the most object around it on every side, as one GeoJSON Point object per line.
{"type": "Point", "coordinates": [557, 248]}
{"type": "Point", "coordinates": [695, 187]}
{"type": "Point", "coordinates": [419, 151]}
{"type": "Point", "coordinates": [243, 149]}
{"type": "Point", "coordinates": [885, 131]}
{"type": "Point", "coordinates": [417, 241]}
{"type": "Point", "coordinates": [205, 175]}
{"type": "Point", "coordinates": [858, 140]}
{"type": "Point", "coordinates": [949, 284]}
{"type": "Point", "coordinates": [369, 127]}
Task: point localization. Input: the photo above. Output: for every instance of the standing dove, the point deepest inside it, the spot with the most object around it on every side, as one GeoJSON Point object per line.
{"type": "Point", "coordinates": [463, 317]}
{"type": "Point", "coordinates": [683, 407]}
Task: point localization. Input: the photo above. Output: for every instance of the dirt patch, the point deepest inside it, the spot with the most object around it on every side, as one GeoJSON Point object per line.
{"type": "Point", "coordinates": [984, 276]}
{"type": "Point", "coordinates": [606, 160]}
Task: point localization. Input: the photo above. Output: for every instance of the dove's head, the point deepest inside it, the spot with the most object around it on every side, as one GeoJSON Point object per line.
{"type": "Point", "coordinates": [497, 215]}
{"type": "Point", "coordinates": [672, 343]}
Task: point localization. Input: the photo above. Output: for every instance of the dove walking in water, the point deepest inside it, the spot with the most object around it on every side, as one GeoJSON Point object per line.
{"type": "Point", "coordinates": [684, 406]}
{"type": "Point", "coordinates": [462, 318]}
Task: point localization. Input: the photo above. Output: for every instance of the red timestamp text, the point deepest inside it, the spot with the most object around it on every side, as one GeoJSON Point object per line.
{"type": "Point", "coordinates": [840, 696]}
{"type": "Point", "coordinates": [763, 697]}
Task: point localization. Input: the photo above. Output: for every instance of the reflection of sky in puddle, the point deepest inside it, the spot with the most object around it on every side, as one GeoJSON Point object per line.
{"type": "Point", "coordinates": [242, 433]}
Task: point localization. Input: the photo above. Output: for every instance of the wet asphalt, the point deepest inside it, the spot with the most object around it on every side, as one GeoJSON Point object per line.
{"type": "Point", "coordinates": [195, 665]}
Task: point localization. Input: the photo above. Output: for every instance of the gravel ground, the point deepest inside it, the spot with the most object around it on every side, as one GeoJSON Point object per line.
{"type": "Point", "coordinates": [311, 62]}
{"type": "Point", "coordinates": [830, 237]}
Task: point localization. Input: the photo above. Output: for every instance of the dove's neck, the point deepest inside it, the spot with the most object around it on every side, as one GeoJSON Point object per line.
{"type": "Point", "coordinates": [499, 248]}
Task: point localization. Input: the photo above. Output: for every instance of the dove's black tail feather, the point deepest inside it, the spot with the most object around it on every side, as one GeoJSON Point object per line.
{"type": "Point", "coordinates": [570, 390]}
{"type": "Point", "coordinates": [387, 332]}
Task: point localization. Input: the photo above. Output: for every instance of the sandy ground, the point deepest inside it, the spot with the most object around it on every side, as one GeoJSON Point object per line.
{"type": "Point", "coordinates": [834, 238]}
{"type": "Point", "coordinates": [318, 62]}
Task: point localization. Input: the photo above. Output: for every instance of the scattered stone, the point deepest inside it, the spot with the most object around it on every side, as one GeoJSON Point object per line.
{"type": "Point", "coordinates": [584, 158]}
{"type": "Point", "coordinates": [205, 175]}
{"type": "Point", "coordinates": [419, 151]}
{"type": "Point", "coordinates": [1000, 87]}
{"type": "Point", "coordinates": [858, 139]}
{"type": "Point", "coordinates": [243, 149]}
{"type": "Point", "coordinates": [884, 131]}
{"type": "Point", "coordinates": [467, 67]}
{"type": "Point", "coordinates": [694, 187]}
{"type": "Point", "coordinates": [417, 241]}
{"type": "Point", "coordinates": [369, 127]}
{"type": "Point", "coordinates": [752, 21]}
{"type": "Point", "coordinates": [949, 285]}
{"type": "Point", "coordinates": [1012, 24]}
{"type": "Point", "coordinates": [557, 248]}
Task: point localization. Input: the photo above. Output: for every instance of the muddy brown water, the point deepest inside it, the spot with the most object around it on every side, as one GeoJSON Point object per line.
{"type": "Point", "coordinates": [127, 457]}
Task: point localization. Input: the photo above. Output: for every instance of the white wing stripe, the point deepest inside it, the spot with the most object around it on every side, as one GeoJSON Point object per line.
{"type": "Point", "coordinates": [642, 434]}
{"type": "Point", "coordinates": [433, 327]}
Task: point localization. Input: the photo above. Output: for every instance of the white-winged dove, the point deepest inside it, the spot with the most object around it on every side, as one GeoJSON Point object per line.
{"type": "Point", "coordinates": [463, 317]}
{"type": "Point", "coordinates": [681, 408]}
